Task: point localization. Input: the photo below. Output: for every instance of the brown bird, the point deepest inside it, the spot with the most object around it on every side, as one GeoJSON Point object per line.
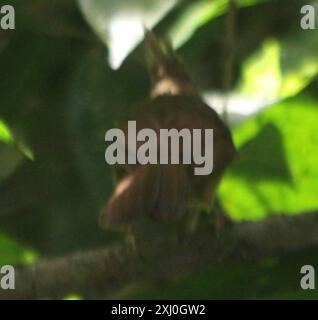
{"type": "Point", "coordinates": [166, 192]}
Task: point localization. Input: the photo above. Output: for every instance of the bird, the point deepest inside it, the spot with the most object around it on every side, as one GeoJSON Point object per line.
{"type": "Point", "coordinates": [169, 192]}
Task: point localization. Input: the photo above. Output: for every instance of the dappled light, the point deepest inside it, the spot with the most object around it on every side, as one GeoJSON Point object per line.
{"type": "Point", "coordinates": [242, 72]}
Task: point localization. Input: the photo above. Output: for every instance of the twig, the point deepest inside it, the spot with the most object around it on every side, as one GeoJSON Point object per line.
{"type": "Point", "coordinates": [229, 54]}
{"type": "Point", "coordinates": [103, 272]}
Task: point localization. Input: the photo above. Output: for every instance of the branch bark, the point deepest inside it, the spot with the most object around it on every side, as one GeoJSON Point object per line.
{"type": "Point", "coordinates": [102, 272]}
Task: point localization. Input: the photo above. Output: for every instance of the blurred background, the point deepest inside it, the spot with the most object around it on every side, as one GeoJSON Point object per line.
{"type": "Point", "coordinates": [70, 69]}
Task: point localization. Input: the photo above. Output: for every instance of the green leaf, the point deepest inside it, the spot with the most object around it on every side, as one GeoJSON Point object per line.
{"type": "Point", "coordinates": [5, 133]}
{"type": "Point", "coordinates": [12, 152]}
{"type": "Point", "coordinates": [73, 297]}
{"type": "Point", "coordinates": [281, 68]}
{"type": "Point", "coordinates": [261, 73]}
{"type": "Point", "coordinates": [13, 253]}
{"type": "Point", "coordinates": [10, 158]}
{"type": "Point", "coordinates": [197, 14]}
{"type": "Point", "coordinates": [277, 169]}
{"type": "Point", "coordinates": [257, 151]}
{"type": "Point", "coordinates": [26, 151]}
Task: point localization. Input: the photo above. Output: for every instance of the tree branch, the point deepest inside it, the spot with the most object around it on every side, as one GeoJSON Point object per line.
{"type": "Point", "coordinates": [99, 273]}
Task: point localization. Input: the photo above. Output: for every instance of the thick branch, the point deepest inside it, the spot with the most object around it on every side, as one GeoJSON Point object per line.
{"type": "Point", "coordinates": [102, 272]}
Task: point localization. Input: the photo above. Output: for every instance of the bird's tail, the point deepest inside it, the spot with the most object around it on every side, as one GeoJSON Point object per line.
{"type": "Point", "coordinates": [168, 74]}
{"type": "Point", "coordinates": [159, 192]}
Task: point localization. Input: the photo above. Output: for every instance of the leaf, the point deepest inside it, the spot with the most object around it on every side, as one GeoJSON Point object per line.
{"type": "Point", "coordinates": [119, 24]}
{"type": "Point", "coordinates": [73, 297]}
{"type": "Point", "coordinates": [13, 253]}
{"type": "Point", "coordinates": [281, 68]}
{"type": "Point", "coordinates": [197, 14]}
{"type": "Point", "coordinates": [5, 133]}
{"type": "Point", "coordinates": [299, 62]}
{"type": "Point", "coordinates": [277, 172]}
{"type": "Point", "coordinates": [11, 154]}
{"type": "Point", "coordinates": [261, 73]}
{"type": "Point", "coordinates": [257, 151]}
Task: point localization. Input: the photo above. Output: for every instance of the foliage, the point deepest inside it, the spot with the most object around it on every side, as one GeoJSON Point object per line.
{"type": "Point", "coordinates": [59, 95]}
{"type": "Point", "coordinates": [14, 253]}
{"type": "Point", "coordinates": [276, 171]}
